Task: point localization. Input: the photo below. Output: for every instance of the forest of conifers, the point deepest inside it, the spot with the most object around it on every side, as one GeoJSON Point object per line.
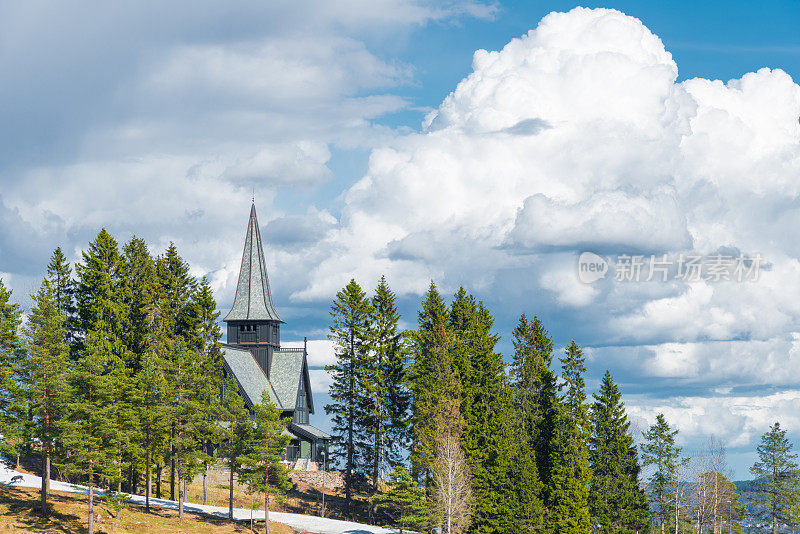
{"type": "Point", "coordinates": [115, 379]}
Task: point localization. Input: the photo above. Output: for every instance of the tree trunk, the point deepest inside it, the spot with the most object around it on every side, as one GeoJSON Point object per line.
{"type": "Point", "coordinates": [45, 480]}
{"type": "Point", "coordinates": [180, 496]}
{"type": "Point", "coordinates": [230, 491]}
{"type": "Point", "coordinates": [118, 511]}
{"type": "Point", "coordinates": [205, 485]}
{"type": "Point", "coordinates": [172, 473]}
{"type": "Point", "coordinates": [91, 504]}
{"type": "Point", "coordinates": [159, 471]}
{"type": "Point", "coordinates": [148, 481]}
{"type": "Point", "coordinates": [266, 511]}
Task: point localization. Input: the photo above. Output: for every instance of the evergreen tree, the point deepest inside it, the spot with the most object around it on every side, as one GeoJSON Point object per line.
{"type": "Point", "coordinates": [432, 379]}
{"type": "Point", "coordinates": [179, 287]}
{"type": "Point", "coordinates": [617, 502]}
{"type": "Point", "coordinates": [526, 373]}
{"type": "Point", "coordinates": [189, 412]}
{"type": "Point", "coordinates": [570, 473]}
{"type": "Point", "coordinates": [99, 296]}
{"type": "Point", "coordinates": [405, 500]}
{"type": "Point", "coordinates": [90, 420]}
{"type": "Point", "coordinates": [261, 465]}
{"type": "Point", "coordinates": [140, 289]}
{"type": "Point", "coordinates": [386, 401]}
{"type": "Point", "coordinates": [237, 431]}
{"type": "Point", "coordinates": [349, 332]}
{"type": "Point", "coordinates": [44, 372]}
{"type": "Point", "coordinates": [487, 435]}
{"type": "Point", "coordinates": [660, 451]}
{"type": "Point", "coordinates": [179, 311]}
{"type": "Point", "coordinates": [10, 319]}
{"type": "Point", "coordinates": [776, 479]}
{"type": "Point", "coordinates": [152, 411]}
{"type": "Point", "coordinates": [59, 274]}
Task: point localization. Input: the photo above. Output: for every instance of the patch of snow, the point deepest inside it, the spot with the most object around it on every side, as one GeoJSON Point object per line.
{"type": "Point", "coordinates": [303, 523]}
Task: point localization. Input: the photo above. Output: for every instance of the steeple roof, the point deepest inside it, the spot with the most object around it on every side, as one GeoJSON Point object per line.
{"type": "Point", "coordinates": [253, 300]}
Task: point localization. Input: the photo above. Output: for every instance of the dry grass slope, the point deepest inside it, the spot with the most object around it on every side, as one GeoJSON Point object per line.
{"type": "Point", "coordinates": [19, 513]}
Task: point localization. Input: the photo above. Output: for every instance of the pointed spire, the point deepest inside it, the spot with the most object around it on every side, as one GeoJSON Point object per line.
{"type": "Point", "coordinates": [253, 300]}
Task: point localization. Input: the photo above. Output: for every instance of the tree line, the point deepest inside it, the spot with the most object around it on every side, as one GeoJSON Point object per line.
{"type": "Point", "coordinates": [519, 447]}
{"type": "Point", "coordinates": [116, 381]}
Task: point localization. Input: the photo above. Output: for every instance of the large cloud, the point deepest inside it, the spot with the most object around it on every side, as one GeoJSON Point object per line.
{"type": "Point", "coordinates": [578, 136]}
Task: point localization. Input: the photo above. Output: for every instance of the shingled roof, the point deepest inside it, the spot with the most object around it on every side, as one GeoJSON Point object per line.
{"type": "Point", "coordinates": [250, 377]}
{"type": "Point", "coordinates": [253, 300]}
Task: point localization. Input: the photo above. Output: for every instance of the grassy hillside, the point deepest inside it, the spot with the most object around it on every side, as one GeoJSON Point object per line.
{"type": "Point", "coordinates": [19, 513]}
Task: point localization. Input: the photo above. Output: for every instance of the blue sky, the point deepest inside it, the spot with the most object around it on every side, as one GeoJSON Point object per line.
{"type": "Point", "coordinates": [379, 142]}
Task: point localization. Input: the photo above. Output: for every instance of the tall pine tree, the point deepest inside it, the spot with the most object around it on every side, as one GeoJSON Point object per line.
{"type": "Point", "coordinates": [386, 402]}
{"type": "Point", "coordinates": [44, 373]}
{"type": "Point", "coordinates": [488, 423]}
{"type": "Point", "coordinates": [776, 481]}
{"type": "Point", "coordinates": [432, 379]}
{"type": "Point", "coordinates": [570, 473]}
{"type": "Point", "coordinates": [11, 420]}
{"type": "Point", "coordinates": [660, 451]}
{"type": "Point", "coordinates": [349, 332]}
{"type": "Point", "coordinates": [617, 502]}
{"type": "Point", "coordinates": [527, 372]}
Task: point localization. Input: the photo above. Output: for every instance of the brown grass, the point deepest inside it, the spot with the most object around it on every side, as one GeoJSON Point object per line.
{"type": "Point", "coordinates": [19, 513]}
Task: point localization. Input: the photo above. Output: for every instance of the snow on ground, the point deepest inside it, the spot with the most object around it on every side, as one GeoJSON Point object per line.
{"type": "Point", "coordinates": [303, 523]}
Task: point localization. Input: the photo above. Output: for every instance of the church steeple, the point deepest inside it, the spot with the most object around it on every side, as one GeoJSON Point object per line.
{"type": "Point", "coordinates": [253, 300]}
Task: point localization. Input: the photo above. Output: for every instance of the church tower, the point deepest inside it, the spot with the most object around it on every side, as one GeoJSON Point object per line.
{"type": "Point", "coordinates": [253, 322]}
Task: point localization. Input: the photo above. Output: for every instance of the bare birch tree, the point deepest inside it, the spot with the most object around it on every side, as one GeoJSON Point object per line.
{"type": "Point", "coordinates": [451, 478]}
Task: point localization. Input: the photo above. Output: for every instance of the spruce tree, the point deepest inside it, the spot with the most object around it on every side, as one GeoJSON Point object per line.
{"type": "Point", "coordinates": [59, 274]}
{"type": "Point", "coordinates": [776, 479]}
{"type": "Point", "coordinates": [140, 289]}
{"type": "Point", "coordinates": [569, 456]}
{"type": "Point", "coordinates": [44, 373]}
{"type": "Point", "coordinates": [488, 424]}
{"type": "Point", "coordinates": [405, 500]}
{"type": "Point", "coordinates": [526, 374]}
{"type": "Point", "coordinates": [349, 332]}
{"type": "Point", "coordinates": [617, 502]}
{"type": "Point", "coordinates": [432, 379]}
{"type": "Point", "coordinates": [660, 451]}
{"type": "Point", "coordinates": [261, 464]}
{"type": "Point", "coordinates": [10, 319]}
{"type": "Point", "coordinates": [99, 297]}
{"type": "Point", "coordinates": [385, 400]}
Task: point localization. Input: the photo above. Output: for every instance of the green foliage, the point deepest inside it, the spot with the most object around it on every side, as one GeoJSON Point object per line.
{"type": "Point", "coordinates": [13, 423]}
{"type": "Point", "coordinates": [660, 451]}
{"type": "Point", "coordinates": [617, 503]}
{"type": "Point", "coordinates": [405, 501]}
{"type": "Point", "coordinates": [90, 422]}
{"type": "Point", "coordinates": [261, 464]}
{"type": "Point", "coordinates": [776, 479]}
{"type": "Point", "coordinates": [431, 377]}
{"type": "Point", "coordinates": [385, 400]}
{"type": "Point", "coordinates": [42, 373]}
{"type": "Point", "coordinates": [528, 374]}
{"type": "Point", "coordinates": [350, 333]}
{"type": "Point", "coordinates": [569, 456]}
{"type": "Point", "coordinates": [488, 420]}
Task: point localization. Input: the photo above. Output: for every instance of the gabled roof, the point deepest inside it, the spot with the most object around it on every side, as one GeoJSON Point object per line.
{"type": "Point", "coordinates": [253, 300]}
{"type": "Point", "coordinates": [250, 377]}
{"type": "Point", "coordinates": [288, 369]}
{"type": "Point", "coordinates": [308, 432]}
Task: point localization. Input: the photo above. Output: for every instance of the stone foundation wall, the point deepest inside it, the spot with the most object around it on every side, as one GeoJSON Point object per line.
{"type": "Point", "coordinates": [333, 479]}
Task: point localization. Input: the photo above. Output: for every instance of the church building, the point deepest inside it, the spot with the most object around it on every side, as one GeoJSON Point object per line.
{"type": "Point", "coordinates": [254, 356]}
